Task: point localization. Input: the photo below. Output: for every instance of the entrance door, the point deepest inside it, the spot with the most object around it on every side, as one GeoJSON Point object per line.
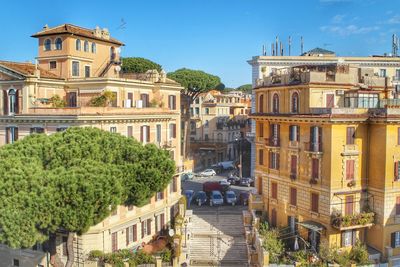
{"type": "Point", "coordinates": [330, 99]}
{"type": "Point", "coordinates": [273, 217]}
{"type": "Point", "coordinates": [314, 239]}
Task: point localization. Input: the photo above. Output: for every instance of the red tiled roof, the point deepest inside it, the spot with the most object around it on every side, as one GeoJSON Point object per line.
{"type": "Point", "coordinates": [72, 29]}
{"type": "Point", "coordinates": [27, 69]}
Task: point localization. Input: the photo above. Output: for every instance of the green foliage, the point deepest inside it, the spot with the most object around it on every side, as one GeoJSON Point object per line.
{"type": "Point", "coordinates": [102, 100]}
{"type": "Point", "coordinates": [361, 218]}
{"type": "Point", "coordinates": [194, 81]}
{"type": "Point", "coordinates": [220, 87]}
{"type": "Point", "coordinates": [359, 254]}
{"type": "Point", "coordinates": [139, 65]}
{"type": "Point", "coordinates": [57, 102]}
{"type": "Point", "coordinates": [327, 253]}
{"type": "Point", "coordinates": [166, 255]}
{"type": "Point", "coordinates": [271, 243]}
{"type": "Point", "coordinates": [69, 180]}
{"type": "Point", "coordinates": [246, 88]}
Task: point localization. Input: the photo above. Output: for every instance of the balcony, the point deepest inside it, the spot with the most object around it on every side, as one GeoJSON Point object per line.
{"type": "Point", "coordinates": [350, 150]}
{"type": "Point", "coordinates": [313, 148]}
{"type": "Point", "coordinates": [272, 142]}
{"type": "Point", "coordinates": [396, 79]}
{"type": "Point", "coordinates": [294, 145]}
{"type": "Point", "coordinates": [256, 202]}
{"type": "Point", "coordinates": [168, 144]}
{"type": "Point", "coordinates": [353, 221]}
{"type": "Point", "coordinates": [260, 140]}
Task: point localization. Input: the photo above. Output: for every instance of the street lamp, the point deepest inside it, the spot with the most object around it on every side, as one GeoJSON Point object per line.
{"type": "Point", "coordinates": [239, 139]}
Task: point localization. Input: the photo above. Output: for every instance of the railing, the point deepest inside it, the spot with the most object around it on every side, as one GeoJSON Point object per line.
{"type": "Point", "coordinates": [351, 221]}
{"type": "Point", "coordinates": [260, 139]}
{"type": "Point", "coordinates": [396, 78]}
{"type": "Point", "coordinates": [272, 141]}
{"type": "Point", "coordinates": [387, 103]}
{"type": "Point", "coordinates": [168, 144]}
{"type": "Point", "coordinates": [293, 144]}
{"type": "Point", "coordinates": [313, 147]}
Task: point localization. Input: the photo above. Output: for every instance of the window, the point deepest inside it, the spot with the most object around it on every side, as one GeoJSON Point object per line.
{"type": "Point", "coordinates": [172, 102]}
{"type": "Point", "coordinates": [274, 135]}
{"type": "Point", "coordinates": [261, 104]}
{"type": "Point", "coordinates": [206, 124]}
{"type": "Point", "coordinates": [158, 129]}
{"type": "Point", "coordinates": [293, 196]}
{"type": "Point", "coordinates": [36, 130]}
{"type": "Point", "coordinates": [16, 262]}
{"type": "Point", "coordinates": [78, 45]}
{"type": "Point", "coordinates": [172, 130]}
{"type": "Point", "coordinates": [397, 170]}
{"type": "Point", "coordinates": [130, 131]}
{"type": "Point", "coordinates": [382, 73]}
{"type": "Point", "coordinates": [145, 134]}
{"type": "Point", "coordinates": [349, 205]}
{"type": "Point", "coordinates": [295, 103]}
{"type": "Point", "coordinates": [315, 169]}
{"type": "Point", "coordinates": [315, 139]}
{"type": "Point", "coordinates": [398, 136]}
{"type": "Point", "coordinates": [398, 205]}
{"type": "Point", "coordinates": [114, 241]}
{"type": "Point", "coordinates": [197, 101]}
{"type": "Point", "coordinates": [275, 103]}
{"type": "Point", "coordinates": [197, 111]}
{"type": "Point", "coordinates": [174, 185]}
{"type": "Point", "coordinates": [207, 111]}
{"type": "Point", "coordinates": [53, 64]}
{"type": "Point", "coordinates": [11, 135]}
{"type": "Point", "coordinates": [58, 44]}
{"type": "Point", "coordinates": [330, 100]}
{"type": "Point", "coordinates": [349, 238]}
{"type": "Point", "coordinates": [113, 129]}
{"type": "Point", "coordinates": [274, 160]}
{"type": "Point", "coordinates": [274, 190]}
{"type": "Point", "coordinates": [75, 68]}
{"type": "Point", "coordinates": [294, 133]}
{"type": "Point", "coordinates": [293, 167]}
{"type": "Point", "coordinates": [86, 46]}
{"type": "Point", "coordinates": [349, 169]}
{"type": "Point", "coordinates": [261, 157]}
{"type": "Point", "coordinates": [357, 100]}
{"type": "Point", "coordinates": [71, 99]}
{"type": "Point", "coordinates": [314, 202]}
{"type": "Point", "coordinates": [148, 226]}
{"type": "Point", "coordinates": [93, 48]}
{"type": "Point", "coordinates": [273, 218]}
{"type": "Point", "coordinates": [160, 195]}
{"type": "Point", "coordinates": [13, 101]}
{"type": "Point", "coordinates": [162, 220]}
{"type": "Point", "coordinates": [260, 130]}
{"type": "Point", "coordinates": [350, 135]}
{"type": "Point", "coordinates": [87, 71]}
{"type": "Point", "coordinates": [395, 239]}
{"type": "Point", "coordinates": [114, 101]}
{"type": "Point", "coordinates": [206, 137]}
{"type": "Point", "coordinates": [47, 45]}
{"type": "Point", "coordinates": [145, 100]}
{"type": "Point", "coordinates": [144, 228]}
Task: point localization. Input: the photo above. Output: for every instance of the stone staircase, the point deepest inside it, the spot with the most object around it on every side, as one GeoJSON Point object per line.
{"type": "Point", "coordinates": [217, 239]}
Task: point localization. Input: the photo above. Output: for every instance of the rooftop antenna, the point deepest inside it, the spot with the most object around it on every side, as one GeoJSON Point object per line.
{"type": "Point", "coordinates": [395, 45]}
{"type": "Point", "coordinates": [122, 25]}
{"type": "Point", "coordinates": [302, 45]}
{"type": "Point", "coordinates": [272, 49]}
{"type": "Point", "coordinates": [264, 52]}
{"type": "Point", "coordinates": [290, 44]}
{"type": "Point", "coordinates": [281, 48]}
{"type": "Point", "coordinates": [276, 46]}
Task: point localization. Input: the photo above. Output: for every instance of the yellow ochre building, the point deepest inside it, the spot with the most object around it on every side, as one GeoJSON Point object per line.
{"type": "Point", "coordinates": [327, 149]}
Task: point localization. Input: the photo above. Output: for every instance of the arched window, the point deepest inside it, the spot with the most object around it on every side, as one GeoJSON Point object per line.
{"type": "Point", "coordinates": [78, 45]}
{"type": "Point", "coordinates": [206, 124]}
{"type": "Point", "coordinates": [94, 48]}
{"type": "Point", "coordinates": [58, 44]}
{"type": "Point", "coordinates": [275, 103]}
{"type": "Point", "coordinates": [47, 45]}
{"type": "Point", "coordinates": [86, 46]}
{"type": "Point", "coordinates": [295, 103]}
{"type": "Point", "coordinates": [12, 100]}
{"type": "Point", "coordinates": [261, 104]}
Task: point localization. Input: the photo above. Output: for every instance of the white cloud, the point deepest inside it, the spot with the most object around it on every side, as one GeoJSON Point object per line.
{"type": "Point", "coordinates": [333, 1]}
{"type": "Point", "coordinates": [338, 18]}
{"type": "Point", "coordinates": [346, 30]}
{"type": "Point", "coordinates": [394, 20]}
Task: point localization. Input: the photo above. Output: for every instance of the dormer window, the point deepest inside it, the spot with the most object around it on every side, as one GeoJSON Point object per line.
{"type": "Point", "coordinates": [86, 46]}
{"type": "Point", "coordinates": [58, 44]}
{"type": "Point", "coordinates": [47, 45]}
{"type": "Point", "coordinates": [94, 48]}
{"type": "Point", "coordinates": [78, 45]}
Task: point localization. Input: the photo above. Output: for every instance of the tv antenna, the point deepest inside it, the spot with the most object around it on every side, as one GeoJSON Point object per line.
{"type": "Point", "coordinates": [122, 25]}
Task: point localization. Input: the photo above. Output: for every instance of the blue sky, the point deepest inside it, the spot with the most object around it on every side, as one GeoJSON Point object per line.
{"type": "Point", "coordinates": [216, 36]}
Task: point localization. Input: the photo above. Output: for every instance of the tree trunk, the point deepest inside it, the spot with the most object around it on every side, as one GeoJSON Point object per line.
{"type": "Point", "coordinates": [70, 249]}
{"type": "Point", "coordinates": [55, 260]}
{"type": "Point", "coordinates": [186, 137]}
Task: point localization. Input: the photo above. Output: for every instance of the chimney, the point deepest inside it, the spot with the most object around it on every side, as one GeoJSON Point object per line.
{"type": "Point", "coordinates": [45, 27]}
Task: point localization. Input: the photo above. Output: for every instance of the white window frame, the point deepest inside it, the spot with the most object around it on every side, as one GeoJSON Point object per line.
{"type": "Point", "coordinates": [90, 71]}
{"type": "Point", "coordinates": [44, 44]}
{"type": "Point", "coordinates": [397, 239]}
{"type": "Point", "coordinates": [55, 43]}
{"type": "Point", "coordinates": [72, 68]}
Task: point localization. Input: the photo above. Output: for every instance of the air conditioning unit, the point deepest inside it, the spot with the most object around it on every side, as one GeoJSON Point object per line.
{"type": "Point", "coordinates": [139, 104]}
{"type": "Point", "coordinates": [339, 92]}
{"type": "Point", "coordinates": [128, 103]}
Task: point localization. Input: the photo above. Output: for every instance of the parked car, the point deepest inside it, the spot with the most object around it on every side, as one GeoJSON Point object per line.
{"type": "Point", "coordinates": [208, 187]}
{"type": "Point", "coordinates": [216, 198]}
{"type": "Point", "coordinates": [200, 198]}
{"type": "Point", "coordinates": [208, 172]}
{"type": "Point", "coordinates": [227, 165]}
{"type": "Point", "coordinates": [187, 176]}
{"type": "Point", "coordinates": [189, 196]}
{"type": "Point", "coordinates": [245, 182]}
{"type": "Point", "coordinates": [224, 182]}
{"type": "Point", "coordinates": [244, 198]}
{"type": "Point", "coordinates": [230, 198]}
{"type": "Point", "coordinates": [217, 168]}
{"type": "Point", "coordinates": [233, 179]}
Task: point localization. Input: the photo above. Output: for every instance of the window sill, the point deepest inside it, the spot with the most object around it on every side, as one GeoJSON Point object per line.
{"type": "Point", "coordinates": [292, 207]}
{"type": "Point", "coordinates": [314, 214]}
{"type": "Point", "coordinates": [274, 201]}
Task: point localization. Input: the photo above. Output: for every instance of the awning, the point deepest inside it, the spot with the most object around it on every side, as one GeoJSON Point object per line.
{"type": "Point", "coordinates": [314, 226]}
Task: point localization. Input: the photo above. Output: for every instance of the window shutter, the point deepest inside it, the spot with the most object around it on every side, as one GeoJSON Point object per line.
{"type": "Point", "coordinates": [141, 134]}
{"type": "Point", "coordinates": [134, 233]}
{"type": "Point", "coordinates": [15, 134]}
{"type": "Point", "coordinates": [7, 135]}
{"type": "Point", "coordinates": [398, 205]}
{"type": "Point", "coordinates": [148, 134]}
{"type": "Point", "coordinates": [277, 160]}
{"type": "Point", "coordinates": [293, 196]}
{"type": "Point", "coordinates": [130, 131]}
{"type": "Point", "coordinates": [398, 135]}
{"type": "Point", "coordinates": [350, 135]}
{"type": "Point", "coordinates": [174, 130]}
{"type": "Point", "coordinates": [127, 236]}
{"type": "Point", "coordinates": [349, 205]}
{"type": "Point", "coordinates": [17, 101]}
{"type": "Point", "coordinates": [319, 138]}
{"type": "Point", "coordinates": [174, 102]}
{"type": "Point", "coordinates": [5, 102]}
{"type": "Point", "coordinates": [314, 202]}
{"type": "Point", "coordinates": [343, 239]}
{"type": "Point", "coordinates": [396, 170]}
{"type": "Point", "coordinates": [291, 133]}
{"type": "Point", "coordinates": [270, 159]}
{"type": "Point", "coordinates": [143, 232]}
{"type": "Point", "coordinates": [315, 168]}
{"type": "Point", "coordinates": [293, 165]}
{"type": "Point", "coordinates": [393, 239]}
{"type": "Point", "coordinates": [148, 226]}
{"type": "Point", "coordinates": [297, 133]}
{"type": "Point", "coordinates": [349, 169]}
{"type": "Point", "coordinates": [261, 157]}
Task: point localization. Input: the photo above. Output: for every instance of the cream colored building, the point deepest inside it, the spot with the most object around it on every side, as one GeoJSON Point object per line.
{"type": "Point", "coordinates": [75, 65]}
{"type": "Point", "coordinates": [217, 122]}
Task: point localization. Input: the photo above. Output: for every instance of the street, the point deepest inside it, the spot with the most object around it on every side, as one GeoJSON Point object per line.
{"type": "Point", "coordinates": [216, 233]}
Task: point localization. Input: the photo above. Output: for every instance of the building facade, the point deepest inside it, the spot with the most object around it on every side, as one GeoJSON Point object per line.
{"type": "Point", "coordinates": [75, 67]}
{"type": "Point", "coordinates": [218, 122]}
{"type": "Point", "coordinates": [326, 149]}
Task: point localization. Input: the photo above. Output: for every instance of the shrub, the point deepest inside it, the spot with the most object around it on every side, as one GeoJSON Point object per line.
{"type": "Point", "coordinates": [166, 255]}
{"type": "Point", "coordinates": [273, 245]}
{"type": "Point", "coordinates": [359, 253]}
{"type": "Point", "coordinates": [57, 102]}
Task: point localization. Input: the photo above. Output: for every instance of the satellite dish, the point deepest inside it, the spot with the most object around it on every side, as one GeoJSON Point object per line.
{"type": "Point", "coordinates": [118, 68]}
{"type": "Point", "coordinates": [171, 232]}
